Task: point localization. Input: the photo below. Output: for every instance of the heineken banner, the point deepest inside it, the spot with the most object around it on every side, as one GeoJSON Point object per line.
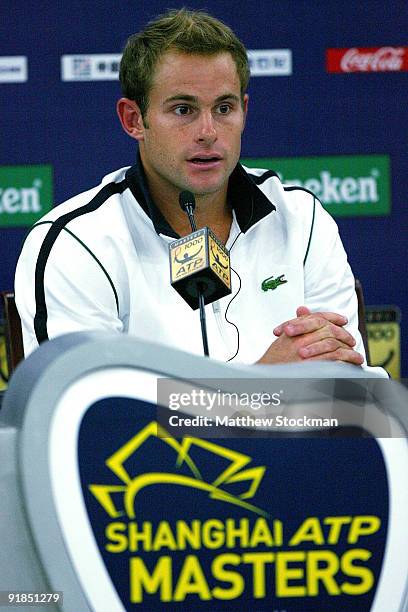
{"type": "Point", "coordinates": [347, 185]}
{"type": "Point", "coordinates": [26, 194]}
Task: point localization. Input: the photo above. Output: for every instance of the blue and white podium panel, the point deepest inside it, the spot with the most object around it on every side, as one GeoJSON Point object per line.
{"type": "Point", "coordinates": [121, 499]}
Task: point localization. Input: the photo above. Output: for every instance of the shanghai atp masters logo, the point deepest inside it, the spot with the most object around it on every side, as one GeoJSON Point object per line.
{"type": "Point", "coordinates": [176, 523]}
{"type": "Point", "coordinates": [132, 487]}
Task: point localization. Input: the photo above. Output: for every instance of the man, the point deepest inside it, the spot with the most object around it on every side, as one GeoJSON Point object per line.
{"type": "Point", "coordinates": [100, 260]}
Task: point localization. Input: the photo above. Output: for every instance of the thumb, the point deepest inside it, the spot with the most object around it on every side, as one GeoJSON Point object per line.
{"type": "Point", "coordinates": [302, 311]}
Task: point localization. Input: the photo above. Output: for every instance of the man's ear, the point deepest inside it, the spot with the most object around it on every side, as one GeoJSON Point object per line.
{"type": "Point", "coordinates": [131, 118]}
{"type": "Point", "coordinates": [245, 106]}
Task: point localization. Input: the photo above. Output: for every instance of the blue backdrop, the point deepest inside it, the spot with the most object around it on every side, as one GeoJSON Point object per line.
{"type": "Point", "coordinates": [73, 125]}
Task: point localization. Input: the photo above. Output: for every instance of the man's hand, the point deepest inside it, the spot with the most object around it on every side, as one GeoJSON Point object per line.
{"type": "Point", "coordinates": [312, 336]}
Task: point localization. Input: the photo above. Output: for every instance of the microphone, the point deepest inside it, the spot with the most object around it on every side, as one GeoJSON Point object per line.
{"type": "Point", "coordinates": [200, 269]}
{"type": "Point", "coordinates": [187, 203]}
{"type": "Point", "coordinates": [199, 259]}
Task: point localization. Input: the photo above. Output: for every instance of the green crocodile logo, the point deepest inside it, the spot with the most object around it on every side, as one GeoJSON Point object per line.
{"type": "Point", "coordinates": [272, 283]}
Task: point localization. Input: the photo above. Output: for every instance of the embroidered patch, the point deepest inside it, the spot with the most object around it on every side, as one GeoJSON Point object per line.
{"type": "Point", "coordinates": [272, 283]}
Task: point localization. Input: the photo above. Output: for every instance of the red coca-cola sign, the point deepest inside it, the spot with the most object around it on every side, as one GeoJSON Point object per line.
{"type": "Point", "coordinates": [372, 59]}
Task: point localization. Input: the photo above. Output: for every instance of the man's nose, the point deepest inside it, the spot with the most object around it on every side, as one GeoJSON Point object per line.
{"type": "Point", "coordinates": [206, 132]}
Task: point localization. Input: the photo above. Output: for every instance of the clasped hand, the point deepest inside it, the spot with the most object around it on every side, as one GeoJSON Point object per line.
{"type": "Point", "coordinates": [312, 336]}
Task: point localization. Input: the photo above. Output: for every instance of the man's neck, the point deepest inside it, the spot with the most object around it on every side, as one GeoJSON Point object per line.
{"type": "Point", "coordinates": [211, 210]}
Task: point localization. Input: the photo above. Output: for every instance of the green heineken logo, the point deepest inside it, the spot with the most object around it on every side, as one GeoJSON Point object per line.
{"type": "Point", "coordinates": [272, 283]}
{"type": "Point", "coordinates": [26, 194]}
{"type": "Point", "coordinates": [347, 185]}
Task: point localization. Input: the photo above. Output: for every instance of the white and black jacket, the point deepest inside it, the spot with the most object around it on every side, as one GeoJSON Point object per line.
{"type": "Point", "coordinates": [100, 261]}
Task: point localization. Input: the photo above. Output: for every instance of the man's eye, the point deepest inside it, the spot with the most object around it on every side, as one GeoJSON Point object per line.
{"type": "Point", "coordinates": [182, 110]}
{"type": "Point", "coordinates": [224, 109]}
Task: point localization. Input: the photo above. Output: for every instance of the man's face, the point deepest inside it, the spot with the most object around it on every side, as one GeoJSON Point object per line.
{"type": "Point", "coordinates": [191, 136]}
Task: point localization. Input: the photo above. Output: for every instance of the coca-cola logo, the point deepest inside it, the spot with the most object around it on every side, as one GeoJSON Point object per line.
{"type": "Point", "coordinates": [386, 58]}
{"type": "Point", "coordinates": [381, 59]}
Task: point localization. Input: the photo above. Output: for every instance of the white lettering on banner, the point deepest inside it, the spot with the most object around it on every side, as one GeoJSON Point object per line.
{"type": "Point", "coordinates": [270, 62]}
{"type": "Point", "coordinates": [103, 67]}
{"type": "Point", "coordinates": [335, 190]}
{"type": "Point", "coordinates": [93, 67]}
{"type": "Point", "coordinates": [24, 200]}
{"type": "Point", "coordinates": [385, 58]}
{"type": "Point", "coordinates": [13, 69]}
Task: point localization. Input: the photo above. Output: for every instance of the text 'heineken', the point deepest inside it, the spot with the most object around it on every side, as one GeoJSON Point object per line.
{"type": "Point", "coordinates": [347, 185]}
{"type": "Point", "coordinates": [26, 194]}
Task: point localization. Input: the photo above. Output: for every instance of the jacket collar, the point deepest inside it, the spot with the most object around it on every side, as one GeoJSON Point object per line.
{"type": "Point", "coordinates": [245, 197]}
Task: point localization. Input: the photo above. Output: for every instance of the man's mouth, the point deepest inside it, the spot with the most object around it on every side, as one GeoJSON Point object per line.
{"type": "Point", "coordinates": [204, 161]}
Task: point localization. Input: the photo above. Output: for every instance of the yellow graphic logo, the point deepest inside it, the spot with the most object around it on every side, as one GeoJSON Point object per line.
{"type": "Point", "coordinates": [219, 261]}
{"type": "Point", "coordinates": [384, 343]}
{"type": "Point", "coordinates": [118, 500]}
{"type": "Point", "coordinates": [209, 558]}
{"type": "Point", "coordinates": [187, 255]}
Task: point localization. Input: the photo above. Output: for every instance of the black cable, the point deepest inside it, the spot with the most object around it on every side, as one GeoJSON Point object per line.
{"type": "Point", "coordinates": [231, 322]}
{"type": "Point", "coordinates": [239, 278]}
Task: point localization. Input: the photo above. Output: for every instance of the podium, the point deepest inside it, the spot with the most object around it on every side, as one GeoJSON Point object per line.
{"type": "Point", "coordinates": [129, 482]}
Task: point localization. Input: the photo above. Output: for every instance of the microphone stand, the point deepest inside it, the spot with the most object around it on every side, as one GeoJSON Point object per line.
{"type": "Point", "coordinates": [189, 210]}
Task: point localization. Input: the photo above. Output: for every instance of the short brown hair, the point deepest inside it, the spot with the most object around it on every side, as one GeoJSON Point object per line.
{"type": "Point", "coordinates": [194, 32]}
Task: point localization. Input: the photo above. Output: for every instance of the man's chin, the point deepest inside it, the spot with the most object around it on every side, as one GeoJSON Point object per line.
{"type": "Point", "coordinates": [204, 192]}
{"type": "Point", "coordinates": [203, 189]}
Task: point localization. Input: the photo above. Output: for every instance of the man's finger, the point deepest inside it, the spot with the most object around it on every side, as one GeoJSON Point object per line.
{"type": "Point", "coordinates": [313, 322]}
{"type": "Point", "coordinates": [340, 335]}
{"type": "Point", "coordinates": [342, 354]}
{"type": "Point", "coordinates": [333, 317]}
{"type": "Point", "coordinates": [323, 346]}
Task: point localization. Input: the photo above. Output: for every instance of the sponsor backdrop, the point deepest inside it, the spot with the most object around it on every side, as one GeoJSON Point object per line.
{"type": "Point", "coordinates": [327, 111]}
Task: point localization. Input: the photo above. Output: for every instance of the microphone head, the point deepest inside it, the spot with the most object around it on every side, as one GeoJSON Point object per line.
{"type": "Point", "coordinates": [186, 198]}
